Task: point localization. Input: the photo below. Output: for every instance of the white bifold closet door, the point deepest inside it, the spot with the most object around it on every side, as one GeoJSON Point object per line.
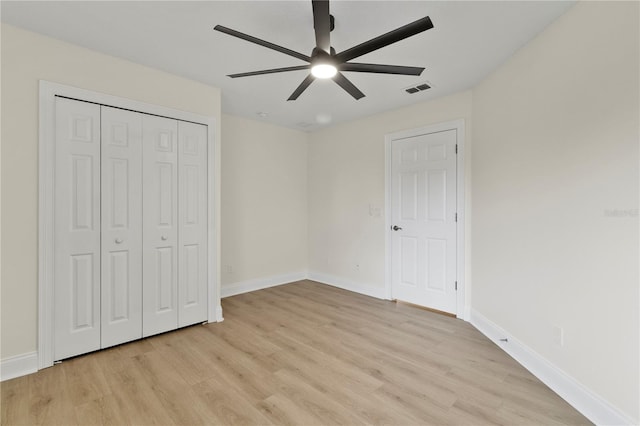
{"type": "Point", "coordinates": [130, 232]}
{"type": "Point", "coordinates": [77, 229]}
{"type": "Point", "coordinates": [192, 226]}
{"type": "Point", "coordinates": [160, 224]}
{"type": "Point", "coordinates": [121, 176]}
{"type": "Point", "coordinates": [175, 231]}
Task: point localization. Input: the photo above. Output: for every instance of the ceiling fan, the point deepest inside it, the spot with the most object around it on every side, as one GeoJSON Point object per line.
{"type": "Point", "coordinates": [324, 62]}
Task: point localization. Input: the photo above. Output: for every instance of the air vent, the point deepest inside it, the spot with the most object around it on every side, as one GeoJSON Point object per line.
{"type": "Point", "coordinates": [418, 88]}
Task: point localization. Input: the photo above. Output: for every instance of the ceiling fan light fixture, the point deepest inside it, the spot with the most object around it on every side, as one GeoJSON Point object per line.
{"type": "Point", "coordinates": [325, 63]}
{"type": "Point", "coordinates": [324, 70]}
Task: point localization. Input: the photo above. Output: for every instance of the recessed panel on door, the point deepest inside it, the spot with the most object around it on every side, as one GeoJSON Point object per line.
{"type": "Point", "coordinates": [408, 194]}
{"type": "Point", "coordinates": [409, 261]}
{"type": "Point", "coordinates": [164, 285]}
{"type": "Point", "coordinates": [190, 291]}
{"type": "Point", "coordinates": [436, 195]}
{"type": "Point", "coordinates": [121, 288]}
{"type": "Point", "coordinates": [160, 224]}
{"type": "Point", "coordinates": [76, 229]}
{"type": "Point", "coordinates": [165, 209]}
{"type": "Point", "coordinates": [435, 261]}
{"type": "Point", "coordinates": [82, 192]}
{"type": "Point", "coordinates": [192, 217]}
{"type": "Point", "coordinates": [82, 293]}
{"type": "Point", "coordinates": [118, 304]}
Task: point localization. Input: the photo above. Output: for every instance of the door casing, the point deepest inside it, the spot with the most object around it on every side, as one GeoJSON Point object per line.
{"type": "Point", "coordinates": [462, 310]}
{"type": "Point", "coordinates": [46, 170]}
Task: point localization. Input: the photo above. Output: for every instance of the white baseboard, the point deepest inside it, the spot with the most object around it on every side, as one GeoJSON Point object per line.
{"type": "Point", "coordinates": [19, 365]}
{"type": "Point", "coordinates": [276, 280]}
{"type": "Point", "coordinates": [467, 314]}
{"type": "Point", "coordinates": [259, 283]}
{"type": "Point", "coordinates": [218, 313]}
{"type": "Point", "coordinates": [345, 284]}
{"type": "Point", "coordinates": [580, 397]}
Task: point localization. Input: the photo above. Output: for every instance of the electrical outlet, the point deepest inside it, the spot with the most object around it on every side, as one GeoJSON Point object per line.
{"type": "Point", "coordinates": [228, 269]}
{"type": "Point", "coordinates": [558, 335]}
{"type": "Point", "coordinates": [357, 266]}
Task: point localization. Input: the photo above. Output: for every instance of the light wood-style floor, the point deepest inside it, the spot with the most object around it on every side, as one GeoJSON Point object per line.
{"type": "Point", "coordinates": [299, 354]}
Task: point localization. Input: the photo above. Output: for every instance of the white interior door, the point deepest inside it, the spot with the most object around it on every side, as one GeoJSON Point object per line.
{"type": "Point", "coordinates": [121, 286]}
{"type": "Point", "coordinates": [192, 232]}
{"type": "Point", "coordinates": [160, 224]}
{"type": "Point", "coordinates": [423, 215]}
{"type": "Point", "coordinates": [76, 229]}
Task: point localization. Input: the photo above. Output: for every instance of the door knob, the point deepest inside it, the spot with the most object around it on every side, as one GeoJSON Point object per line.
{"type": "Point", "coordinates": [396, 228]}
{"type": "Point", "coordinates": [118, 240]}
{"type": "Point", "coordinates": [163, 238]}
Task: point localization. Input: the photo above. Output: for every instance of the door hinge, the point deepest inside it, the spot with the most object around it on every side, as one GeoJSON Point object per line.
{"type": "Point", "coordinates": [456, 216]}
{"type": "Point", "coordinates": [456, 148]}
{"type": "Point", "coordinates": [456, 285]}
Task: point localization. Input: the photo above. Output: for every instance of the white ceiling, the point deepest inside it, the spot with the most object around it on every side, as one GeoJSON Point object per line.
{"type": "Point", "coordinates": [468, 41]}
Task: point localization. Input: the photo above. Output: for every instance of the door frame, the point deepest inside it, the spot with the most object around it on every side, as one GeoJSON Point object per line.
{"type": "Point", "coordinates": [46, 202]}
{"type": "Point", "coordinates": [462, 310]}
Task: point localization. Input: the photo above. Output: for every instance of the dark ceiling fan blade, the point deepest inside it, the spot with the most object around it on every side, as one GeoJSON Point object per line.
{"type": "Point", "coordinates": [348, 86]}
{"type": "Point", "coordinates": [382, 69]}
{"type": "Point", "coordinates": [271, 71]}
{"type": "Point", "coordinates": [322, 24]}
{"type": "Point", "coordinates": [264, 43]}
{"type": "Point", "coordinates": [303, 86]}
{"type": "Point", "coordinates": [391, 37]}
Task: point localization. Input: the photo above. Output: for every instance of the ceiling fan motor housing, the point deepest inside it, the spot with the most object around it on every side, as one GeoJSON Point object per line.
{"type": "Point", "coordinates": [321, 55]}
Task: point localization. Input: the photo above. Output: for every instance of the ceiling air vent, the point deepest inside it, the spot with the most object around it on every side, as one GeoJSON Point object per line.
{"type": "Point", "coordinates": [419, 88]}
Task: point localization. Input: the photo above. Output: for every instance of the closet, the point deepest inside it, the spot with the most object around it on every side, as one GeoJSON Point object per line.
{"type": "Point", "coordinates": [130, 226]}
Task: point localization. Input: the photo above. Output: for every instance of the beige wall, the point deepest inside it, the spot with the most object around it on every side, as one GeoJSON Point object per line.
{"type": "Point", "coordinates": [347, 177]}
{"type": "Point", "coordinates": [555, 150]}
{"type": "Point", "coordinates": [26, 58]}
{"type": "Point", "coordinates": [264, 200]}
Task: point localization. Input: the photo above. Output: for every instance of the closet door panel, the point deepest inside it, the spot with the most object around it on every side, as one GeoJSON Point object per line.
{"type": "Point", "coordinates": [121, 226]}
{"type": "Point", "coordinates": [160, 224]}
{"type": "Point", "coordinates": [76, 229]}
{"type": "Point", "coordinates": [192, 216]}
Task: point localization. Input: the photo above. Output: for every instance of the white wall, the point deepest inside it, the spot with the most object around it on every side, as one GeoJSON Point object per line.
{"type": "Point", "coordinates": [264, 202]}
{"type": "Point", "coordinates": [555, 150]}
{"type": "Point", "coordinates": [26, 58]}
{"type": "Point", "coordinates": [347, 177]}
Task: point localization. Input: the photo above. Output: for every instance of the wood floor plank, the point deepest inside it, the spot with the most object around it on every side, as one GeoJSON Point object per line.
{"type": "Point", "coordinates": [244, 339]}
{"type": "Point", "coordinates": [320, 404]}
{"type": "Point", "coordinates": [101, 411]}
{"type": "Point", "coordinates": [325, 372]}
{"type": "Point", "coordinates": [85, 380]}
{"type": "Point", "coordinates": [298, 354]}
{"type": "Point", "coordinates": [227, 406]}
{"type": "Point", "coordinates": [283, 411]}
{"type": "Point", "coordinates": [134, 398]}
{"type": "Point", "coordinates": [15, 402]}
{"type": "Point", "coordinates": [50, 399]}
{"type": "Point", "coordinates": [414, 404]}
